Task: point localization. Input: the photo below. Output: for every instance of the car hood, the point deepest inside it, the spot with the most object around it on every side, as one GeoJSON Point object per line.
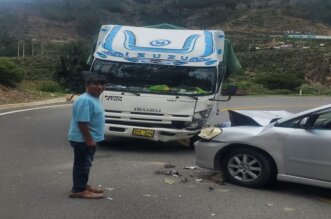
{"type": "Point", "coordinates": [255, 118]}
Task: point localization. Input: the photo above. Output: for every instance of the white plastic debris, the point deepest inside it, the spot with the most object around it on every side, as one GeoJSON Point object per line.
{"type": "Point", "coordinates": [147, 195]}
{"type": "Point", "coordinates": [269, 205]}
{"type": "Point", "coordinates": [288, 209]}
{"type": "Point", "coordinates": [109, 189]}
{"type": "Point", "coordinates": [110, 199]}
{"type": "Point", "coordinates": [212, 214]}
{"type": "Point", "coordinates": [198, 180]}
{"type": "Point", "coordinates": [169, 181]}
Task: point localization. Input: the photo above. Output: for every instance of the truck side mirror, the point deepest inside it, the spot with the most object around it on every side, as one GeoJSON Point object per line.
{"type": "Point", "coordinates": [229, 91]}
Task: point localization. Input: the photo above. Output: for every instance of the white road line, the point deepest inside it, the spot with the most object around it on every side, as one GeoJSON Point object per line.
{"type": "Point", "coordinates": [30, 109]}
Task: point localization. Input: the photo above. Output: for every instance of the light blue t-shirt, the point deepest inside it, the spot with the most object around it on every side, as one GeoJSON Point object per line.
{"type": "Point", "coordinates": [87, 108]}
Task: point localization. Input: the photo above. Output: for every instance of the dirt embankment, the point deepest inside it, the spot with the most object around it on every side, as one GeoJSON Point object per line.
{"type": "Point", "coordinates": [17, 95]}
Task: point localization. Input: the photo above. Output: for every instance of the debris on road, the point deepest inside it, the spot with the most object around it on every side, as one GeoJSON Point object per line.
{"type": "Point", "coordinates": [184, 180]}
{"type": "Point", "coordinates": [288, 209]}
{"type": "Point", "coordinates": [169, 165]}
{"type": "Point", "coordinates": [109, 189]}
{"type": "Point", "coordinates": [169, 181]}
{"type": "Point", "coordinates": [269, 205]}
{"type": "Point", "coordinates": [190, 168]}
{"type": "Point", "coordinates": [217, 178]}
{"type": "Point", "coordinates": [223, 190]}
{"type": "Point", "coordinates": [167, 173]}
{"type": "Point", "coordinates": [110, 199]}
{"type": "Point", "coordinates": [147, 195]}
{"type": "Point", "coordinates": [210, 188]}
{"type": "Point", "coordinates": [198, 180]}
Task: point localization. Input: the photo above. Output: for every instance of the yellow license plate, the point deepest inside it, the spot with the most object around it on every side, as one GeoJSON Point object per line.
{"type": "Point", "coordinates": [143, 132]}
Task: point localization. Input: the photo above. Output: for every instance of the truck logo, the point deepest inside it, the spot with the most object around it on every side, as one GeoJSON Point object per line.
{"type": "Point", "coordinates": [149, 110]}
{"type": "Point", "coordinates": [113, 98]}
{"type": "Point", "coordinates": [160, 42]}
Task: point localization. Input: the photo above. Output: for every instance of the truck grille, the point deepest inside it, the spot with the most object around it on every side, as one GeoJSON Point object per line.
{"type": "Point", "coordinates": [147, 119]}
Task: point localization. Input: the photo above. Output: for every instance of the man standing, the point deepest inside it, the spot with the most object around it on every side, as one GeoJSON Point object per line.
{"type": "Point", "coordinates": [86, 130]}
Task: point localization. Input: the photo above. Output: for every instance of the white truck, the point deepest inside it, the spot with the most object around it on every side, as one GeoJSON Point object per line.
{"type": "Point", "coordinates": [164, 84]}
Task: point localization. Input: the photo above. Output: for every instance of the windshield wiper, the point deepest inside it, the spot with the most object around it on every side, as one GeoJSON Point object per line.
{"type": "Point", "coordinates": [121, 88]}
{"type": "Point", "coordinates": [114, 86]}
{"type": "Point", "coordinates": [131, 92]}
{"type": "Point", "coordinates": [187, 95]}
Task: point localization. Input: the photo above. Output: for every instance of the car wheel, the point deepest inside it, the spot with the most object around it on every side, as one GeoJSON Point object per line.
{"type": "Point", "coordinates": [247, 167]}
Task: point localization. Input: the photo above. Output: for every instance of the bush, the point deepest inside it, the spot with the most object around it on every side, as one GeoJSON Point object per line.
{"type": "Point", "coordinates": [315, 89]}
{"type": "Point", "coordinates": [50, 86]}
{"type": "Point", "coordinates": [276, 80]}
{"type": "Point", "coordinates": [10, 73]}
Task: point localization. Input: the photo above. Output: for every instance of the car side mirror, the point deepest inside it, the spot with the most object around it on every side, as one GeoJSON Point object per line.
{"type": "Point", "coordinates": [304, 122]}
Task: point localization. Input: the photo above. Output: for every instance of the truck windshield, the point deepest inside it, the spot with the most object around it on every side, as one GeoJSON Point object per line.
{"type": "Point", "coordinates": [161, 79]}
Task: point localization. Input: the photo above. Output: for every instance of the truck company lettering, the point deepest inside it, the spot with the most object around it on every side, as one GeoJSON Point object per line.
{"type": "Point", "coordinates": [113, 98]}
{"type": "Point", "coordinates": [161, 56]}
{"type": "Point", "coordinates": [150, 110]}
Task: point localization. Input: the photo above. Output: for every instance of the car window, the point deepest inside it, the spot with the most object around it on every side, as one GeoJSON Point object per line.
{"type": "Point", "coordinates": [323, 121]}
{"type": "Point", "coordinates": [294, 123]}
{"type": "Point", "coordinates": [319, 120]}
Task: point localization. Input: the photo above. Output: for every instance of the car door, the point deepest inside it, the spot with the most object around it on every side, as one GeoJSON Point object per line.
{"type": "Point", "coordinates": [307, 148]}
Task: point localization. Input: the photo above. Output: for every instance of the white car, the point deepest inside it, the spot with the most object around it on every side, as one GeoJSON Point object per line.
{"type": "Point", "coordinates": [261, 146]}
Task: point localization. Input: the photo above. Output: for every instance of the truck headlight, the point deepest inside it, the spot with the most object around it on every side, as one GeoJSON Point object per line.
{"type": "Point", "coordinates": [199, 119]}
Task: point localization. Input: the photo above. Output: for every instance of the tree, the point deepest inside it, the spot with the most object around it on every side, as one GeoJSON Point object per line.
{"type": "Point", "coordinates": [70, 65]}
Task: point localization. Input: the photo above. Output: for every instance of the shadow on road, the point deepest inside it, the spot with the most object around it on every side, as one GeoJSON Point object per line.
{"type": "Point", "coordinates": [306, 191]}
{"type": "Point", "coordinates": [139, 145]}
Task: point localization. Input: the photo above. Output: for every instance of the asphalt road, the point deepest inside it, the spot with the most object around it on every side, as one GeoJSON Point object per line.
{"type": "Point", "coordinates": [36, 162]}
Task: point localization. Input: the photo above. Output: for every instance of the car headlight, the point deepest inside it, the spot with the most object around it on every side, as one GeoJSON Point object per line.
{"type": "Point", "coordinates": [199, 119]}
{"type": "Point", "coordinates": [207, 134]}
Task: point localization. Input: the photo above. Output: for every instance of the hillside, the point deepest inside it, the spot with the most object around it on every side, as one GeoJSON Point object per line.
{"type": "Point", "coordinates": [257, 29]}
{"type": "Point", "coordinates": [69, 19]}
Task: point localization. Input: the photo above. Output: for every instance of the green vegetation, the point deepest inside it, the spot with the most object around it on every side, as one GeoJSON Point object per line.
{"type": "Point", "coordinates": [10, 73]}
{"type": "Point", "coordinates": [265, 71]}
{"type": "Point", "coordinates": [70, 65]}
{"type": "Point", "coordinates": [50, 86]}
{"type": "Point", "coordinates": [285, 71]}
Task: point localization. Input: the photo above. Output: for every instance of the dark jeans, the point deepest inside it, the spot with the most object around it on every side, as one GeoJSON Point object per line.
{"type": "Point", "coordinates": [83, 157]}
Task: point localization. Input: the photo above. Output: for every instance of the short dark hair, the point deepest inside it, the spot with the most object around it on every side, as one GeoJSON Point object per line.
{"type": "Point", "coordinates": [95, 78]}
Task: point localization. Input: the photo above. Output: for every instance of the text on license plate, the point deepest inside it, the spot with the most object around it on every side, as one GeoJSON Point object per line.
{"type": "Point", "coordinates": [143, 132]}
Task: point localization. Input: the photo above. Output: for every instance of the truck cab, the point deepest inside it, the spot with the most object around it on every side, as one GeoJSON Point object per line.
{"type": "Point", "coordinates": [162, 83]}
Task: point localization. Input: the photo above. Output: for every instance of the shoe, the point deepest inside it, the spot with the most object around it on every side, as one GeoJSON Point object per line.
{"type": "Point", "coordinates": [85, 194]}
{"type": "Point", "coordinates": [94, 190]}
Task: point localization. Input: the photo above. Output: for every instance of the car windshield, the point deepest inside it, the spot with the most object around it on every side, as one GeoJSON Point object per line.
{"type": "Point", "coordinates": [151, 78]}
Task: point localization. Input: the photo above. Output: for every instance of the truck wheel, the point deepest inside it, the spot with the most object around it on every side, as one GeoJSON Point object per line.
{"type": "Point", "coordinates": [247, 167]}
